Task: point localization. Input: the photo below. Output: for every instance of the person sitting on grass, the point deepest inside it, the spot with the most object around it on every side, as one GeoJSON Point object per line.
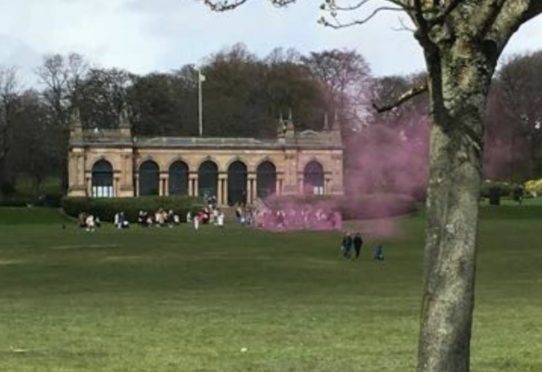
{"type": "Point", "coordinates": [89, 222]}
{"type": "Point", "coordinates": [378, 253]}
{"type": "Point", "coordinates": [82, 218]}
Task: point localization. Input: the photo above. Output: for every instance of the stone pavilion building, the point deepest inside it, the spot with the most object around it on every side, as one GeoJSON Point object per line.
{"type": "Point", "coordinates": [115, 163]}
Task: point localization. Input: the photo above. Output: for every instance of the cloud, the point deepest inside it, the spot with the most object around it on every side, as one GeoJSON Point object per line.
{"type": "Point", "coordinates": [149, 35]}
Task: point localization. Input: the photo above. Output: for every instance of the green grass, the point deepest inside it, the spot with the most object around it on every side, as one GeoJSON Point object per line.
{"type": "Point", "coordinates": [177, 300]}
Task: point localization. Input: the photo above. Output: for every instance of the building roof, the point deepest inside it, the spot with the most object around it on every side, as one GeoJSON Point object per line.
{"type": "Point", "coordinates": [111, 138]}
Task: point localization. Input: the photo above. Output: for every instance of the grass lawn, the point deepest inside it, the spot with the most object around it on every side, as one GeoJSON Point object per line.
{"type": "Point", "coordinates": [177, 300]}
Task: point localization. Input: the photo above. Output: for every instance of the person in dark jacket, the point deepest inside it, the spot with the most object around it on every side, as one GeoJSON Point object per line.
{"type": "Point", "coordinates": [358, 243]}
{"type": "Point", "coordinates": [346, 245]}
{"type": "Point", "coordinates": [378, 253]}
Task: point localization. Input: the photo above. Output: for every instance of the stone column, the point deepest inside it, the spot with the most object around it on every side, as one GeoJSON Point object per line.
{"type": "Point", "coordinates": [89, 185]}
{"type": "Point", "coordinates": [225, 189]}
{"type": "Point", "coordinates": [196, 186]}
{"type": "Point", "coordinates": [190, 186]}
{"type": "Point", "coordinates": [222, 197]}
{"type": "Point", "coordinates": [165, 182]}
{"type": "Point", "coordinates": [250, 190]}
{"type": "Point", "coordinates": [116, 182]}
{"type": "Point", "coordinates": [300, 184]}
{"type": "Point", "coordinates": [126, 166]}
{"type": "Point", "coordinates": [81, 169]}
{"type": "Point", "coordinates": [136, 180]}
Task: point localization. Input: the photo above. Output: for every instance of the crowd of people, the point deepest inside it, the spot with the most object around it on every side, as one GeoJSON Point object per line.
{"type": "Point", "coordinates": [159, 218]}
{"type": "Point", "coordinates": [283, 219]}
{"type": "Point", "coordinates": [305, 217]}
{"type": "Point", "coordinates": [297, 218]}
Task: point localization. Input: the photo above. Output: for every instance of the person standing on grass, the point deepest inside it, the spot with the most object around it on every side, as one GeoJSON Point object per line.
{"type": "Point", "coordinates": [346, 245]}
{"type": "Point", "coordinates": [196, 221]}
{"type": "Point", "coordinates": [220, 219]}
{"type": "Point", "coordinates": [358, 243]}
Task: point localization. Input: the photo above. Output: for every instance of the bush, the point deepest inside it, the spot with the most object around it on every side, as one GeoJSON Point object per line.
{"type": "Point", "coordinates": [496, 189]}
{"type": "Point", "coordinates": [365, 206]}
{"type": "Point", "coordinates": [106, 208]}
{"type": "Point", "coordinates": [7, 188]}
{"type": "Point", "coordinates": [49, 200]}
{"type": "Point", "coordinates": [534, 187]}
{"type": "Point", "coordinates": [16, 200]}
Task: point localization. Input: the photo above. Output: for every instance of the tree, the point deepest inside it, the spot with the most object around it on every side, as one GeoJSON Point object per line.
{"type": "Point", "coordinates": [165, 104]}
{"type": "Point", "coordinates": [8, 107]}
{"type": "Point", "coordinates": [347, 82]}
{"type": "Point", "coordinates": [32, 143]}
{"type": "Point", "coordinates": [462, 41]}
{"type": "Point", "coordinates": [61, 76]}
{"type": "Point", "coordinates": [521, 87]}
{"type": "Point", "coordinates": [101, 95]}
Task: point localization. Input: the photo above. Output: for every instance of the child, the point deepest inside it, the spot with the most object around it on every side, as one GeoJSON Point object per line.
{"type": "Point", "coordinates": [378, 253]}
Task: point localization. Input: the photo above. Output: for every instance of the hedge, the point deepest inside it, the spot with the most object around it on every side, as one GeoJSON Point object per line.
{"type": "Point", "coordinates": [367, 206]}
{"type": "Point", "coordinates": [106, 208]}
{"type": "Point", "coordinates": [534, 187]}
{"type": "Point", "coordinates": [16, 200]}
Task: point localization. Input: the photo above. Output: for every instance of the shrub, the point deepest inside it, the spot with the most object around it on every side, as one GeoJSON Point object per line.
{"type": "Point", "coordinates": [494, 189]}
{"type": "Point", "coordinates": [365, 206]}
{"type": "Point", "coordinates": [106, 208]}
{"type": "Point", "coordinates": [7, 188]}
{"type": "Point", "coordinates": [16, 200]}
{"type": "Point", "coordinates": [534, 187]}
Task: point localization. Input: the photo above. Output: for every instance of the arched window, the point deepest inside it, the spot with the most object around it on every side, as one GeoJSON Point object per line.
{"type": "Point", "coordinates": [237, 183]}
{"type": "Point", "coordinates": [149, 178]}
{"type": "Point", "coordinates": [178, 178]}
{"type": "Point", "coordinates": [266, 179]}
{"type": "Point", "coordinates": [102, 180]}
{"type": "Point", "coordinates": [313, 178]}
{"type": "Point", "coordinates": [207, 179]}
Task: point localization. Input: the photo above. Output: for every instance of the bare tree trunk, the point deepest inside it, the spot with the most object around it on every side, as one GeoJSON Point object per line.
{"type": "Point", "coordinates": [452, 214]}
{"type": "Point", "coordinates": [3, 172]}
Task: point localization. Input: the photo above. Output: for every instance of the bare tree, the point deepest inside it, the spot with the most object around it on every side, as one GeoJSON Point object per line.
{"type": "Point", "coordinates": [462, 41]}
{"type": "Point", "coordinates": [62, 77]}
{"type": "Point", "coordinates": [346, 77]}
{"type": "Point", "coordinates": [9, 91]}
{"type": "Point", "coordinates": [522, 89]}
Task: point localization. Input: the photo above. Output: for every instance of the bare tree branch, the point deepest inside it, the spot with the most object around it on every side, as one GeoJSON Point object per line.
{"type": "Point", "coordinates": [224, 5]}
{"type": "Point", "coordinates": [409, 94]}
{"type": "Point", "coordinates": [337, 24]}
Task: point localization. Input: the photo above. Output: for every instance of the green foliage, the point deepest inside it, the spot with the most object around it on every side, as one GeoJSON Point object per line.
{"type": "Point", "coordinates": [501, 188]}
{"type": "Point", "coordinates": [534, 187]}
{"type": "Point", "coordinates": [30, 216]}
{"type": "Point", "coordinates": [106, 208]}
{"type": "Point", "coordinates": [15, 200]}
{"type": "Point", "coordinates": [367, 206]}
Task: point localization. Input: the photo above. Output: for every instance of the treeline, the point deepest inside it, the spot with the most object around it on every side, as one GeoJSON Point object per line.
{"type": "Point", "coordinates": [244, 95]}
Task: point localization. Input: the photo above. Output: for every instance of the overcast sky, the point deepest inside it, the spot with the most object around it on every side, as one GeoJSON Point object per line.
{"type": "Point", "coordinates": [160, 35]}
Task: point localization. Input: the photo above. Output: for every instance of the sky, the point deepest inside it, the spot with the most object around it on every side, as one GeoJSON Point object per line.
{"type": "Point", "coordinates": [144, 36]}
